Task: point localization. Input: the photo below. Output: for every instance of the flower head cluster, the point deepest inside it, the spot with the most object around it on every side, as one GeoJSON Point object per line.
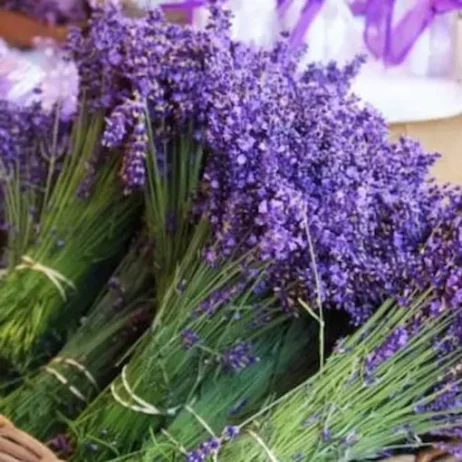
{"type": "Point", "coordinates": [21, 129]}
{"type": "Point", "coordinates": [439, 262]}
{"type": "Point", "coordinates": [298, 170]}
{"type": "Point", "coordinates": [239, 356]}
{"type": "Point", "coordinates": [212, 445]}
{"type": "Point", "coordinates": [303, 173]}
{"type": "Point", "coordinates": [189, 338]}
{"type": "Point", "coordinates": [392, 345]}
{"type": "Point", "coordinates": [206, 449]}
{"type": "Point", "coordinates": [141, 64]}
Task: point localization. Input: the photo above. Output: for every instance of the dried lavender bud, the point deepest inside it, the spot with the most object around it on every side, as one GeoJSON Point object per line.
{"type": "Point", "coordinates": [239, 357]}
{"type": "Point", "coordinates": [189, 338]}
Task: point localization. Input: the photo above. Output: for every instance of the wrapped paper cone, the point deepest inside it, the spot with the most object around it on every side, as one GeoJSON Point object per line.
{"type": "Point", "coordinates": [18, 446]}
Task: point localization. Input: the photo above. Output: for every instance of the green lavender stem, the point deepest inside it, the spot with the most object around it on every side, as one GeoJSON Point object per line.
{"type": "Point", "coordinates": [227, 398]}
{"type": "Point", "coordinates": [336, 415]}
{"type": "Point", "coordinates": [44, 404]}
{"type": "Point", "coordinates": [162, 372]}
{"type": "Point", "coordinates": [92, 231]}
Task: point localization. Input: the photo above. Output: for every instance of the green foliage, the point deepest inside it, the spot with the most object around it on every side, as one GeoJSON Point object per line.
{"type": "Point", "coordinates": [90, 359]}
{"type": "Point", "coordinates": [341, 414]}
{"type": "Point", "coordinates": [57, 267]}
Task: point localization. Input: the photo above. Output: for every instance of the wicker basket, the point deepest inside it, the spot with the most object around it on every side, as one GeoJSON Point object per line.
{"type": "Point", "coordinates": [17, 446]}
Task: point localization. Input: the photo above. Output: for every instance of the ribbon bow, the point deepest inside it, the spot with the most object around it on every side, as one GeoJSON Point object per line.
{"type": "Point", "coordinates": [393, 43]}
{"type": "Point", "coordinates": [309, 12]}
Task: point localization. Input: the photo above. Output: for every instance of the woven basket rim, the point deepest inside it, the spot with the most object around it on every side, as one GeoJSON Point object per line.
{"type": "Point", "coordinates": [19, 445]}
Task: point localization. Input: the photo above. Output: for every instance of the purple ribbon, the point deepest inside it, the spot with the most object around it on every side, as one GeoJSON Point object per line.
{"type": "Point", "coordinates": [186, 5]}
{"type": "Point", "coordinates": [393, 44]}
{"type": "Point", "coordinates": [283, 6]}
{"type": "Point", "coordinates": [359, 7]}
{"type": "Point", "coordinates": [309, 12]}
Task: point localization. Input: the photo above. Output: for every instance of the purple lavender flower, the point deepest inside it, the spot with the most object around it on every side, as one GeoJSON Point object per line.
{"type": "Point", "coordinates": [230, 432]}
{"type": "Point", "coordinates": [239, 357]}
{"type": "Point", "coordinates": [133, 171]}
{"type": "Point", "coordinates": [194, 456]}
{"type": "Point", "coordinates": [62, 445]}
{"type": "Point", "coordinates": [121, 119]}
{"type": "Point", "coordinates": [392, 345]}
{"type": "Point", "coordinates": [21, 128]}
{"type": "Point", "coordinates": [218, 299]}
{"type": "Point", "coordinates": [209, 447]}
{"type": "Point", "coordinates": [189, 338]}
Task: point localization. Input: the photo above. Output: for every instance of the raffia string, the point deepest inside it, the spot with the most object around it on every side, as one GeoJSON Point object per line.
{"type": "Point", "coordinates": [206, 427]}
{"type": "Point", "coordinates": [54, 276]}
{"type": "Point", "coordinates": [72, 388]}
{"type": "Point", "coordinates": [79, 366]}
{"type": "Point", "coordinates": [257, 438]}
{"type": "Point", "coordinates": [142, 406]}
{"type": "Point", "coordinates": [61, 378]}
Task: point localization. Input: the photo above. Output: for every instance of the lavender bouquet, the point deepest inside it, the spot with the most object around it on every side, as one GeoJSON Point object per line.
{"type": "Point", "coordinates": [202, 309]}
{"type": "Point", "coordinates": [90, 359]}
{"type": "Point", "coordinates": [67, 224]}
{"type": "Point", "coordinates": [382, 388]}
{"type": "Point", "coordinates": [385, 387]}
{"type": "Point", "coordinates": [198, 330]}
{"type": "Point", "coordinates": [228, 398]}
{"type": "Point", "coordinates": [263, 187]}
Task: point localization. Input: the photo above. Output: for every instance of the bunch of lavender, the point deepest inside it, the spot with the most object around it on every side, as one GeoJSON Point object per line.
{"type": "Point", "coordinates": [67, 223]}
{"type": "Point", "coordinates": [299, 163]}
{"type": "Point", "coordinates": [293, 162]}
{"type": "Point", "coordinates": [280, 153]}
{"type": "Point", "coordinates": [204, 311]}
{"type": "Point", "coordinates": [206, 321]}
{"type": "Point", "coordinates": [375, 393]}
{"type": "Point", "coordinates": [226, 399]}
{"type": "Point", "coordinates": [90, 359]}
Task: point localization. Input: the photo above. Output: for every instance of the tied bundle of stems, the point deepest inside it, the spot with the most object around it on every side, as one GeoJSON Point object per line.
{"type": "Point", "coordinates": [172, 361]}
{"type": "Point", "coordinates": [226, 399]}
{"type": "Point", "coordinates": [202, 312]}
{"type": "Point", "coordinates": [67, 231]}
{"type": "Point", "coordinates": [351, 411]}
{"type": "Point", "coordinates": [91, 358]}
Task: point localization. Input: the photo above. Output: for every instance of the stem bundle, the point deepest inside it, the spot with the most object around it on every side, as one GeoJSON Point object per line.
{"type": "Point", "coordinates": [60, 254]}
{"type": "Point", "coordinates": [90, 359]}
